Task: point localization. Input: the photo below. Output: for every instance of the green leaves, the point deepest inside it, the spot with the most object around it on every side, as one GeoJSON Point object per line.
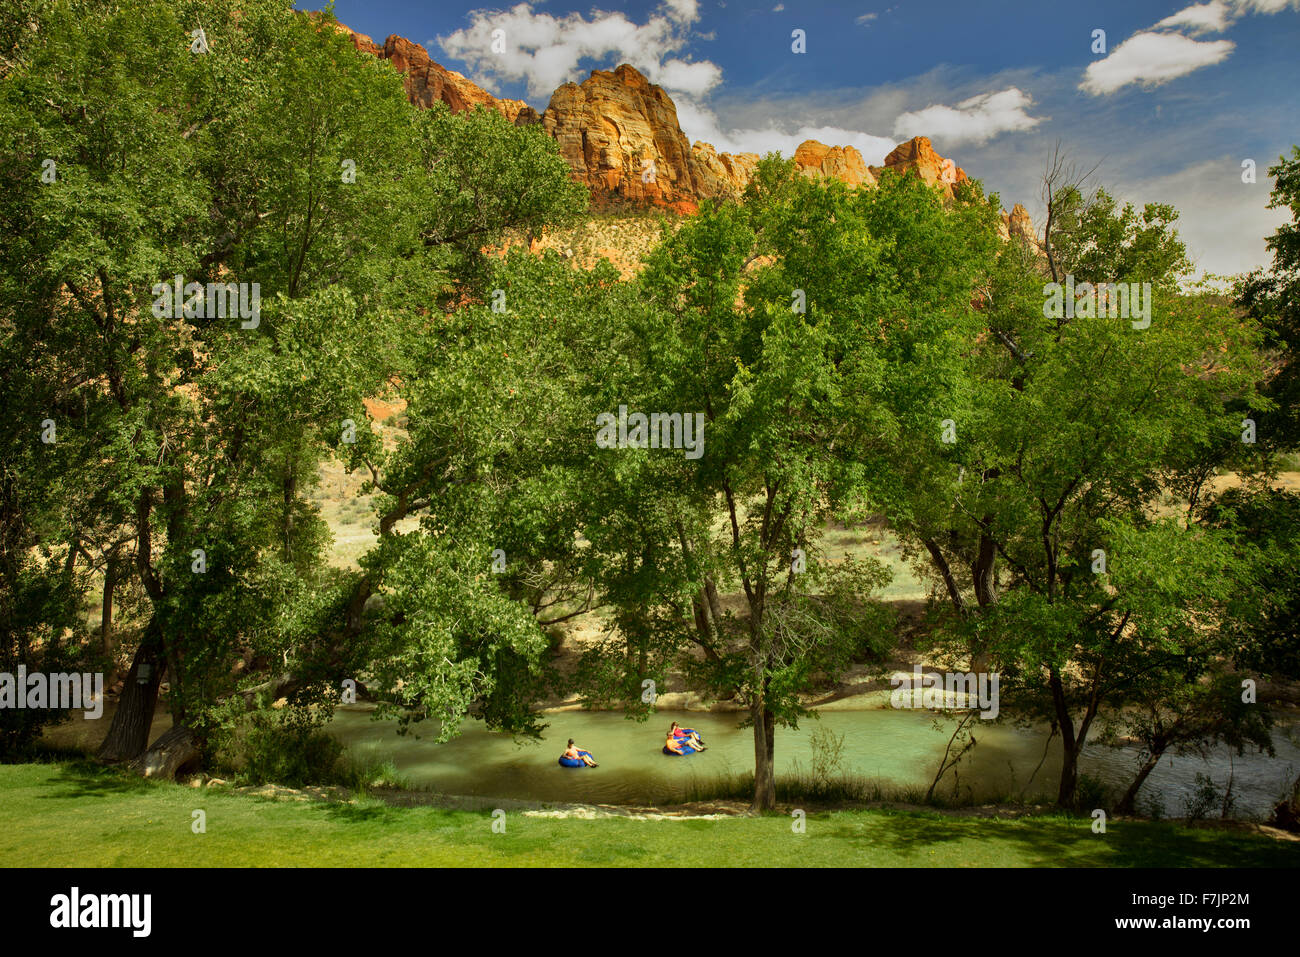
{"type": "Point", "coordinates": [482, 175]}
{"type": "Point", "coordinates": [1097, 241]}
{"type": "Point", "coordinates": [449, 642]}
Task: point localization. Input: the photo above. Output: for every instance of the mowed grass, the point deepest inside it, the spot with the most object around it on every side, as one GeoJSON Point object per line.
{"type": "Point", "coordinates": [76, 815]}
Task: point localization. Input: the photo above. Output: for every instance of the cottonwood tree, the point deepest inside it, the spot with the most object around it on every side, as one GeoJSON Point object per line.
{"type": "Point", "coordinates": [1187, 713]}
{"type": "Point", "coordinates": [1272, 298]}
{"type": "Point", "coordinates": [477, 503]}
{"type": "Point", "coordinates": [485, 177]}
{"type": "Point", "coordinates": [798, 327]}
{"type": "Point", "coordinates": [194, 438]}
{"type": "Point", "coordinates": [1043, 522]}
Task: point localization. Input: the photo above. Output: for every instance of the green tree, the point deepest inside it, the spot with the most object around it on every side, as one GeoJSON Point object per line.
{"type": "Point", "coordinates": [482, 476]}
{"type": "Point", "coordinates": [1042, 521]}
{"type": "Point", "coordinates": [193, 439]}
{"type": "Point", "coordinates": [1272, 298]}
{"type": "Point", "coordinates": [484, 176]}
{"type": "Point", "coordinates": [799, 327]}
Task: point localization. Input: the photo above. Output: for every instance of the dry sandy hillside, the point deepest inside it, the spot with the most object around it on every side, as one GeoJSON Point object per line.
{"type": "Point", "coordinates": [625, 239]}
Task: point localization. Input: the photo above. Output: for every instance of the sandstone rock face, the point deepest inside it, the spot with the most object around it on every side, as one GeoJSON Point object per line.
{"type": "Point", "coordinates": [1018, 224]}
{"type": "Point", "coordinates": [427, 82]}
{"type": "Point", "coordinates": [844, 163]}
{"type": "Point", "coordinates": [620, 134]}
{"type": "Point", "coordinates": [919, 156]}
{"type": "Point", "coordinates": [719, 175]}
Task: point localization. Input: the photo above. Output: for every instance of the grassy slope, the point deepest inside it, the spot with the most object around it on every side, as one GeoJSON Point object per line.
{"type": "Point", "coordinates": [74, 815]}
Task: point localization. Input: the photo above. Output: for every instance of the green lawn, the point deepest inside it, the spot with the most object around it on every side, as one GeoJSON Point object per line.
{"type": "Point", "coordinates": [78, 816]}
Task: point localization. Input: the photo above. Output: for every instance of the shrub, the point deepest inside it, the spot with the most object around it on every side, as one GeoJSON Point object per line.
{"type": "Point", "coordinates": [288, 746]}
{"type": "Point", "coordinates": [1092, 793]}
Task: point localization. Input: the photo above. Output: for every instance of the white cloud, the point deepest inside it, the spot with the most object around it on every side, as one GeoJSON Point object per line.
{"type": "Point", "coordinates": [684, 11]}
{"type": "Point", "coordinates": [1166, 50]}
{"type": "Point", "coordinates": [865, 19]}
{"type": "Point", "coordinates": [1265, 6]}
{"type": "Point", "coordinates": [544, 50]}
{"type": "Point", "coordinates": [1152, 59]}
{"type": "Point", "coordinates": [1223, 222]}
{"type": "Point", "coordinates": [692, 79]}
{"type": "Point", "coordinates": [700, 123]}
{"type": "Point", "coordinates": [975, 120]}
{"type": "Point", "coordinates": [1212, 17]}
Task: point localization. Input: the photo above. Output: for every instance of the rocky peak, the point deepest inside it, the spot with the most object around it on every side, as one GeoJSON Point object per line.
{"type": "Point", "coordinates": [918, 155]}
{"type": "Point", "coordinates": [620, 134]}
{"type": "Point", "coordinates": [1017, 223]}
{"type": "Point", "coordinates": [720, 174]}
{"type": "Point", "coordinates": [844, 163]}
{"type": "Point", "coordinates": [428, 82]}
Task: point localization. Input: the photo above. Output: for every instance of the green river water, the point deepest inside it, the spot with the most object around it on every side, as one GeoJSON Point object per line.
{"type": "Point", "coordinates": [900, 748]}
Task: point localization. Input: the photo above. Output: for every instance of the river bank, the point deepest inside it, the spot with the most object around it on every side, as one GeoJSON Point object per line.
{"type": "Point", "coordinates": [70, 814]}
{"type": "Point", "coordinates": [865, 755]}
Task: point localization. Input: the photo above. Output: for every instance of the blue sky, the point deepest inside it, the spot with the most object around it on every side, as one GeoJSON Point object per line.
{"type": "Point", "coordinates": [1184, 92]}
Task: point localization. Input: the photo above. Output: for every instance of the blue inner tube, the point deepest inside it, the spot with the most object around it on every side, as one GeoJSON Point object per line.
{"type": "Point", "coordinates": [575, 762]}
{"type": "Point", "coordinates": [686, 749]}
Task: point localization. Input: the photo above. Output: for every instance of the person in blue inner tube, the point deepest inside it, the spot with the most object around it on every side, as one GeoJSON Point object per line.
{"type": "Point", "coordinates": [574, 757]}
{"type": "Point", "coordinates": [677, 746]}
{"type": "Point", "coordinates": [682, 741]}
{"type": "Point", "coordinates": [688, 736]}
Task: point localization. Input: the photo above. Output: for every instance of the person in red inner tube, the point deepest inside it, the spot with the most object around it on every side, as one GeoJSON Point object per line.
{"type": "Point", "coordinates": [691, 738]}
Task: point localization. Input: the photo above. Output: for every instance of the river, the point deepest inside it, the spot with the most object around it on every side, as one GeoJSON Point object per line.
{"type": "Point", "coordinates": [899, 748]}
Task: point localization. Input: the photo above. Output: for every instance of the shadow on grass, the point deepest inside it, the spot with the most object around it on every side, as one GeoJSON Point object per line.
{"type": "Point", "coordinates": [365, 812]}
{"type": "Point", "coordinates": [460, 828]}
{"type": "Point", "coordinates": [1069, 842]}
{"type": "Point", "coordinates": [79, 779]}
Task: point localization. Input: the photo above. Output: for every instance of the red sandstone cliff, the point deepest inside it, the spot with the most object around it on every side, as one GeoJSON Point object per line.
{"type": "Point", "coordinates": [620, 134]}
{"type": "Point", "coordinates": [427, 82]}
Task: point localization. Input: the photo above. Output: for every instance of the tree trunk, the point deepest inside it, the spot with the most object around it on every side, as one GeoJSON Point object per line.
{"type": "Point", "coordinates": [764, 753]}
{"type": "Point", "coordinates": [175, 750]}
{"type": "Point", "coordinates": [985, 580]}
{"type": "Point", "coordinates": [1070, 745]}
{"type": "Point", "coordinates": [769, 728]}
{"type": "Point", "coordinates": [1129, 800]}
{"type": "Point", "coordinates": [106, 620]}
{"type": "Point", "coordinates": [706, 629]}
{"type": "Point", "coordinates": [1065, 796]}
{"type": "Point", "coordinates": [985, 570]}
{"type": "Point", "coordinates": [290, 497]}
{"type": "Point", "coordinates": [945, 572]}
{"type": "Point", "coordinates": [129, 733]}
{"type": "Point", "coordinates": [715, 604]}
